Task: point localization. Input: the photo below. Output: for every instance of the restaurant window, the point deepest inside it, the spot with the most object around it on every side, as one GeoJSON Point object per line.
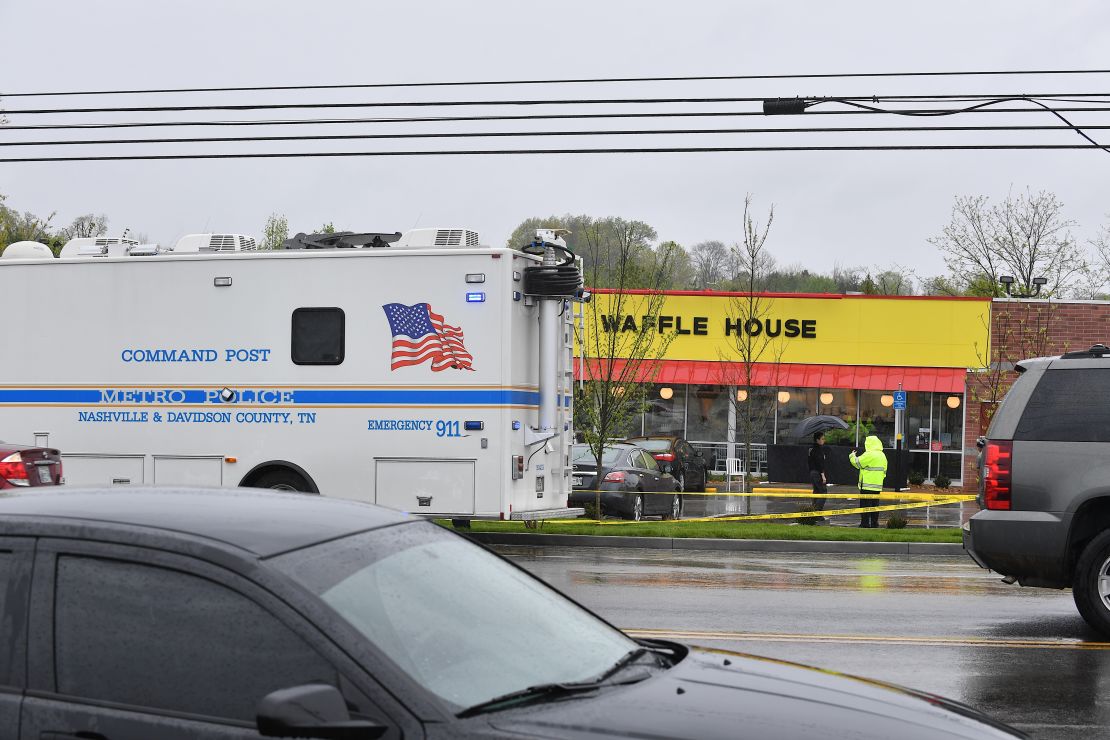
{"type": "Point", "coordinates": [759, 409]}
{"type": "Point", "coordinates": [876, 416]}
{"type": "Point", "coordinates": [665, 410]}
{"type": "Point", "coordinates": [948, 421]}
{"type": "Point", "coordinates": [919, 425]}
{"type": "Point", "coordinates": [793, 405]}
{"type": "Point", "coordinates": [841, 403]}
{"type": "Point", "coordinates": [707, 413]}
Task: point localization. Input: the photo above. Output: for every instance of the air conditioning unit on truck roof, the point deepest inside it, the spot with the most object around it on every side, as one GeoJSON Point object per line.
{"type": "Point", "coordinates": [412, 378]}
{"type": "Point", "coordinates": [432, 238]}
{"type": "Point", "coordinates": [215, 243]}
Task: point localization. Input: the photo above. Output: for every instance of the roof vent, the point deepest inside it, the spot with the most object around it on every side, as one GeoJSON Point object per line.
{"type": "Point", "coordinates": [27, 251]}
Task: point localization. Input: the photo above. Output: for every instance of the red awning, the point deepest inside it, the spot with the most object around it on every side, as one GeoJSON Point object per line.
{"type": "Point", "coordinates": [861, 377]}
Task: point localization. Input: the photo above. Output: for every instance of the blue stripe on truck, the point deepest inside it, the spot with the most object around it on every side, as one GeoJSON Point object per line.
{"type": "Point", "coordinates": [300, 397]}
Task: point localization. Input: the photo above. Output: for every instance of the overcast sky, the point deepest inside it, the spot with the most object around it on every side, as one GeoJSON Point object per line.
{"type": "Point", "coordinates": [846, 208]}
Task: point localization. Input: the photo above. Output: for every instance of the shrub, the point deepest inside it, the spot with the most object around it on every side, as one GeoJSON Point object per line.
{"type": "Point", "coordinates": [896, 521]}
{"type": "Point", "coordinates": [942, 481]}
{"type": "Point", "coordinates": [915, 478]}
{"type": "Point", "coordinates": [591, 511]}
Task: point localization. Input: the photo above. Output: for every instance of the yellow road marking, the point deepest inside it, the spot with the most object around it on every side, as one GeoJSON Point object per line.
{"type": "Point", "coordinates": [695, 636]}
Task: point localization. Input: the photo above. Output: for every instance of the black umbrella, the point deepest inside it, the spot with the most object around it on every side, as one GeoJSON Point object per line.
{"type": "Point", "coordinates": [813, 424]}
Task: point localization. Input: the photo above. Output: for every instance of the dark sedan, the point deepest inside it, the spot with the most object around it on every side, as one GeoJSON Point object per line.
{"type": "Point", "coordinates": [23, 467]}
{"type": "Point", "coordinates": [133, 614]}
{"type": "Point", "coordinates": [631, 483]}
{"type": "Point", "coordinates": [679, 458]}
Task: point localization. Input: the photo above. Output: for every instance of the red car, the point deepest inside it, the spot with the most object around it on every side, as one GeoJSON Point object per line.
{"type": "Point", "coordinates": [22, 466]}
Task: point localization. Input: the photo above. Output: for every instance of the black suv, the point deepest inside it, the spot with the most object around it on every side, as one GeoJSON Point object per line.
{"type": "Point", "coordinates": [1045, 482]}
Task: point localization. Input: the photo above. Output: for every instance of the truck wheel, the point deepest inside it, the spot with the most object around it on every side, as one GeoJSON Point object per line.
{"type": "Point", "coordinates": [282, 480]}
{"type": "Point", "coordinates": [1091, 587]}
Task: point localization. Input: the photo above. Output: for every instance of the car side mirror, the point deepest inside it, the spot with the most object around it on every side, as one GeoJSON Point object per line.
{"type": "Point", "coordinates": [312, 710]}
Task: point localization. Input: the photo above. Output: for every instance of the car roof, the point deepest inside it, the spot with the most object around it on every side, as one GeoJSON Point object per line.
{"type": "Point", "coordinates": [259, 521]}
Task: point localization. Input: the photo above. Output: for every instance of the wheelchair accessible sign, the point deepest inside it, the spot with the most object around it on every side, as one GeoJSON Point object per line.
{"type": "Point", "coordinates": [899, 400]}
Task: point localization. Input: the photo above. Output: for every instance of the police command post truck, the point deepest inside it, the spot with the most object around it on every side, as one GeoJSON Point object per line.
{"type": "Point", "coordinates": [423, 372]}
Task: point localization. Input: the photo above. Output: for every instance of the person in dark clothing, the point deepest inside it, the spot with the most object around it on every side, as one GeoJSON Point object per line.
{"type": "Point", "coordinates": [818, 462]}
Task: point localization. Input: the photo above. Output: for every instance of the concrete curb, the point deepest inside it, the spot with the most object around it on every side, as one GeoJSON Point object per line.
{"type": "Point", "coordinates": [697, 543]}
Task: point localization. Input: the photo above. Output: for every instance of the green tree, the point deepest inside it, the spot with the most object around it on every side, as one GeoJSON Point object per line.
{"type": "Point", "coordinates": [26, 226]}
{"type": "Point", "coordinates": [275, 232]}
{"type": "Point", "coordinates": [619, 341]}
{"type": "Point", "coordinates": [681, 267]}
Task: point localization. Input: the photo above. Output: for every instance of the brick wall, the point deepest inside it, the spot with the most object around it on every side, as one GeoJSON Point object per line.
{"type": "Point", "coordinates": [1019, 330]}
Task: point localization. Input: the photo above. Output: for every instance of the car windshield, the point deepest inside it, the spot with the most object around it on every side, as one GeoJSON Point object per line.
{"type": "Point", "coordinates": [654, 445]}
{"type": "Point", "coordinates": [584, 453]}
{"type": "Point", "coordinates": [463, 623]}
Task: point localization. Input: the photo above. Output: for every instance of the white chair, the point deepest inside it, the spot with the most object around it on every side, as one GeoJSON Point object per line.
{"type": "Point", "coordinates": [733, 468]}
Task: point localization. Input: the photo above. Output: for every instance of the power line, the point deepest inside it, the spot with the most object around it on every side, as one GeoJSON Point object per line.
{"type": "Point", "coordinates": [528, 117]}
{"type": "Point", "coordinates": [488, 152]}
{"type": "Point", "coordinates": [566, 81]}
{"type": "Point", "coordinates": [515, 134]}
{"type": "Point", "coordinates": [988, 103]}
{"type": "Point", "coordinates": [540, 102]}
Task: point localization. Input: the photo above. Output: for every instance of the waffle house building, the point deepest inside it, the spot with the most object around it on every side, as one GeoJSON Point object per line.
{"type": "Point", "coordinates": [842, 355]}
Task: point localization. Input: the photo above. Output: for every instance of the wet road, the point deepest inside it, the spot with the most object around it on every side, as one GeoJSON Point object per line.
{"type": "Point", "coordinates": [939, 624]}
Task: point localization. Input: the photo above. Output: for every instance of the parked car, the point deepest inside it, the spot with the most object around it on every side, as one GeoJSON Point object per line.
{"type": "Point", "coordinates": [631, 483]}
{"type": "Point", "coordinates": [170, 613]}
{"type": "Point", "coordinates": [22, 466]}
{"type": "Point", "coordinates": [1045, 482]}
{"type": "Point", "coordinates": [679, 458]}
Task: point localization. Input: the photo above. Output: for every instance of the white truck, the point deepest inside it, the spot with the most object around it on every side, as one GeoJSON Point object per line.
{"type": "Point", "coordinates": [413, 371]}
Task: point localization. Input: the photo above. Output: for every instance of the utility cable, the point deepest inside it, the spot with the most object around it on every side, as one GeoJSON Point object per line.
{"type": "Point", "coordinates": [516, 134]}
{"type": "Point", "coordinates": [530, 102]}
{"type": "Point", "coordinates": [459, 119]}
{"type": "Point", "coordinates": [1032, 100]}
{"type": "Point", "coordinates": [565, 81]}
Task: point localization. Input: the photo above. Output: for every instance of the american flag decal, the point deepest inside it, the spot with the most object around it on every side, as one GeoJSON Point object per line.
{"type": "Point", "coordinates": [420, 335]}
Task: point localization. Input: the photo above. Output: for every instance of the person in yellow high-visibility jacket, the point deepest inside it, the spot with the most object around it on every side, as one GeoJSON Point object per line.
{"type": "Point", "coordinates": [872, 471]}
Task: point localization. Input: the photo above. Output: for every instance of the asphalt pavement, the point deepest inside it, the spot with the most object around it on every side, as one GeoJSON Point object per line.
{"type": "Point", "coordinates": [935, 623]}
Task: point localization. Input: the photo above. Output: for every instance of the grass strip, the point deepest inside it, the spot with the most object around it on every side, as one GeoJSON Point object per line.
{"type": "Point", "coordinates": [729, 530]}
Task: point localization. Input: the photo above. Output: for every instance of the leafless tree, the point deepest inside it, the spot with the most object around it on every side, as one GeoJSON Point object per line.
{"type": "Point", "coordinates": [86, 226]}
{"type": "Point", "coordinates": [1025, 236]}
{"type": "Point", "coordinates": [751, 340]}
{"type": "Point", "coordinates": [710, 261]}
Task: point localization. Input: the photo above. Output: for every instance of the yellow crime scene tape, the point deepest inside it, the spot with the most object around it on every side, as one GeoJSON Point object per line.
{"type": "Point", "coordinates": [917, 501]}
